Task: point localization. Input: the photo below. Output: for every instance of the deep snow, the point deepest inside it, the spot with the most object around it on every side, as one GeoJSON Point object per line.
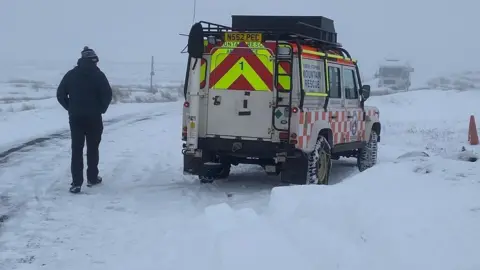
{"type": "Point", "coordinates": [414, 212]}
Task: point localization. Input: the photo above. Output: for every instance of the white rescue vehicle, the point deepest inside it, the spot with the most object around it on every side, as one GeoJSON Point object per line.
{"type": "Point", "coordinates": [277, 91]}
{"type": "Point", "coordinates": [394, 74]}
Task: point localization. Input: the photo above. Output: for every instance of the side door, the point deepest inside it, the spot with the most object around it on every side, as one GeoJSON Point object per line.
{"type": "Point", "coordinates": [336, 103]}
{"type": "Point", "coordinates": [352, 104]}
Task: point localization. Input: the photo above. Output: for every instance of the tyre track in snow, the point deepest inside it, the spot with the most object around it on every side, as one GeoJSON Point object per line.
{"type": "Point", "coordinates": [16, 155]}
{"type": "Point", "coordinates": [62, 134]}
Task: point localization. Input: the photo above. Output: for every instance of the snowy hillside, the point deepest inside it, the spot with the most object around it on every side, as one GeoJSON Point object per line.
{"type": "Point", "coordinates": [418, 208]}
{"type": "Point", "coordinates": [24, 86]}
{"type": "Point", "coordinates": [463, 81]}
{"type": "Point", "coordinates": [28, 95]}
{"type": "Point", "coordinates": [468, 80]}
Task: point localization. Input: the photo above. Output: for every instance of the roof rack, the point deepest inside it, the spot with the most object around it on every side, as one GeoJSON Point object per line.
{"type": "Point", "coordinates": [309, 30]}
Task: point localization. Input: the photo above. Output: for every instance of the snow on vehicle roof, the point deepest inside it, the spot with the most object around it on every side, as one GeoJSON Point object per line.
{"type": "Point", "coordinates": [394, 63]}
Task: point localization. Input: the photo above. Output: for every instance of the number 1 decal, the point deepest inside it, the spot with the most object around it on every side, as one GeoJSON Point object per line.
{"type": "Point", "coordinates": [241, 65]}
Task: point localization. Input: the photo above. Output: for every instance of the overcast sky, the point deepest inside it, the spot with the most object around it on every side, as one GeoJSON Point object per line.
{"type": "Point", "coordinates": [435, 35]}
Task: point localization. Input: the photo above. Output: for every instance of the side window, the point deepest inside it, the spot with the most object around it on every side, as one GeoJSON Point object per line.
{"type": "Point", "coordinates": [313, 76]}
{"type": "Point", "coordinates": [334, 80]}
{"type": "Point", "coordinates": [350, 83]}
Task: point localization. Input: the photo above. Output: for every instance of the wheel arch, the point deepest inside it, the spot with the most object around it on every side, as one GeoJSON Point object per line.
{"type": "Point", "coordinates": [376, 126]}
{"type": "Point", "coordinates": [319, 128]}
{"type": "Point", "coordinates": [328, 134]}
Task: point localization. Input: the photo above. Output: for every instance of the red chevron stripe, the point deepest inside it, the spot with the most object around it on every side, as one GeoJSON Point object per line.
{"type": "Point", "coordinates": [242, 51]}
{"type": "Point", "coordinates": [203, 81]}
{"type": "Point", "coordinates": [260, 69]}
{"type": "Point", "coordinates": [241, 83]}
{"type": "Point", "coordinates": [227, 63]}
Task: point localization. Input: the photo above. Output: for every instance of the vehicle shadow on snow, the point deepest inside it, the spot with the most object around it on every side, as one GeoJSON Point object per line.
{"type": "Point", "coordinates": [343, 169]}
{"type": "Point", "coordinates": [249, 177]}
{"type": "Point", "coordinates": [252, 176]}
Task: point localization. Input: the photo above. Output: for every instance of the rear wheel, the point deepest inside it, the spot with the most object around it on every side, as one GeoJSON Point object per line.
{"type": "Point", "coordinates": [320, 163]}
{"type": "Point", "coordinates": [215, 173]}
{"type": "Point", "coordinates": [367, 156]}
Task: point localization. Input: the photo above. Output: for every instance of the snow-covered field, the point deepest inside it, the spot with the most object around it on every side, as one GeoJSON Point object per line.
{"type": "Point", "coordinates": [28, 105]}
{"type": "Point", "coordinates": [462, 81]}
{"type": "Point", "coordinates": [412, 212]}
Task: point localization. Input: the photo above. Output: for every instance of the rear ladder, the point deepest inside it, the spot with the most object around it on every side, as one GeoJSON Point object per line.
{"type": "Point", "coordinates": [288, 60]}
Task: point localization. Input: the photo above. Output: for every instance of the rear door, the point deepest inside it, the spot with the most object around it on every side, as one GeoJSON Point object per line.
{"type": "Point", "coordinates": [240, 92]}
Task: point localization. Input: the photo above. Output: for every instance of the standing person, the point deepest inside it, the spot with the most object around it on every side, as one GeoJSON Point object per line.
{"type": "Point", "coordinates": [86, 94]}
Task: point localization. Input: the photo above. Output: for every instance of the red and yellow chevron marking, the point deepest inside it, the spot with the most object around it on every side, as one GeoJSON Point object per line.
{"type": "Point", "coordinates": [284, 68]}
{"type": "Point", "coordinates": [244, 66]}
{"type": "Point", "coordinates": [203, 74]}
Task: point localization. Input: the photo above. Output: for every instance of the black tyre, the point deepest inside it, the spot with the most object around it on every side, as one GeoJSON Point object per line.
{"type": "Point", "coordinates": [213, 175]}
{"type": "Point", "coordinates": [320, 163]}
{"type": "Point", "coordinates": [206, 179]}
{"type": "Point", "coordinates": [225, 172]}
{"type": "Point", "coordinates": [367, 156]}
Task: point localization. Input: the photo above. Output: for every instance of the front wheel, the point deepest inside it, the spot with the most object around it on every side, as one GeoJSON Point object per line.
{"type": "Point", "coordinates": [367, 156]}
{"type": "Point", "coordinates": [320, 163]}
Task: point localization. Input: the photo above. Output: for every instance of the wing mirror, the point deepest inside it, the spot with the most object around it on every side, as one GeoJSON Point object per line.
{"type": "Point", "coordinates": [365, 91]}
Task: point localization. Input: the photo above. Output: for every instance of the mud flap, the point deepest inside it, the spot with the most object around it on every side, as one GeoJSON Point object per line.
{"type": "Point", "coordinates": [295, 170]}
{"type": "Point", "coordinates": [192, 165]}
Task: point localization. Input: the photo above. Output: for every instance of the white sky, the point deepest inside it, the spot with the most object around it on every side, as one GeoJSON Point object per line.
{"type": "Point", "coordinates": [435, 35]}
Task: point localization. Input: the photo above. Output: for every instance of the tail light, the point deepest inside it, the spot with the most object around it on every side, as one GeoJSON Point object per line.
{"type": "Point", "coordinates": [184, 133]}
{"type": "Point", "coordinates": [293, 138]}
{"type": "Point", "coordinates": [294, 110]}
{"type": "Point", "coordinates": [283, 135]}
{"type": "Point", "coordinates": [186, 104]}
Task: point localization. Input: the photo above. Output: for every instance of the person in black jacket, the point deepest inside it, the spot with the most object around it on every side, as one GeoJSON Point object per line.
{"type": "Point", "coordinates": [86, 94]}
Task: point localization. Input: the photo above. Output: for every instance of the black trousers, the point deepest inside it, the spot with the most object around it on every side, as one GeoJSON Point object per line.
{"type": "Point", "coordinates": [90, 129]}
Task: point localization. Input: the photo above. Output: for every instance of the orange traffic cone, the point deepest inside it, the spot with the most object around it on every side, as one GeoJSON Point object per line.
{"type": "Point", "coordinates": [472, 131]}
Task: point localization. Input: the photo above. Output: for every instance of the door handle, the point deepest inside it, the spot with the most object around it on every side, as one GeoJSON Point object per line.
{"type": "Point", "coordinates": [350, 116]}
{"type": "Point", "coordinates": [217, 100]}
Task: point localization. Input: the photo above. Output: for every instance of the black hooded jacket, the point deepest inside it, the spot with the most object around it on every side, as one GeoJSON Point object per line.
{"type": "Point", "coordinates": [85, 90]}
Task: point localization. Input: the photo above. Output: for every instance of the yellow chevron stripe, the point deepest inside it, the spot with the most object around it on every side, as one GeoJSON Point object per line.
{"type": "Point", "coordinates": [284, 81]}
{"type": "Point", "coordinates": [264, 55]}
{"type": "Point", "coordinates": [258, 49]}
{"type": "Point", "coordinates": [203, 74]}
{"type": "Point", "coordinates": [221, 53]}
{"type": "Point", "coordinates": [236, 71]}
{"type": "Point", "coordinates": [267, 60]}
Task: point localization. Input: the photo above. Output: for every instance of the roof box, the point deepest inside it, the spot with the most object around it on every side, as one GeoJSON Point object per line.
{"type": "Point", "coordinates": [316, 27]}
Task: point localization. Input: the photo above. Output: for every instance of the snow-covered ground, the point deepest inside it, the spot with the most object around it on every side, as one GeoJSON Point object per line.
{"type": "Point", "coordinates": [462, 81]}
{"type": "Point", "coordinates": [466, 80]}
{"type": "Point", "coordinates": [413, 212]}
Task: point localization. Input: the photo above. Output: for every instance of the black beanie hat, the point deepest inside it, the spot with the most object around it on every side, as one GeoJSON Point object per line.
{"type": "Point", "coordinates": [88, 53]}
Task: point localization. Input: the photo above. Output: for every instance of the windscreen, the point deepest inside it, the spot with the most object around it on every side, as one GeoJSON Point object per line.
{"type": "Point", "coordinates": [391, 71]}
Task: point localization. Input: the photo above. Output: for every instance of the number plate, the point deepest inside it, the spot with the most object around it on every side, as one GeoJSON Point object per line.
{"type": "Point", "coordinates": [243, 37]}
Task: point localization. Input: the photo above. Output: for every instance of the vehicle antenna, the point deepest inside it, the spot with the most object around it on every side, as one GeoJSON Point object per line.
{"type": "Point", "coordinates": [194, 10]}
